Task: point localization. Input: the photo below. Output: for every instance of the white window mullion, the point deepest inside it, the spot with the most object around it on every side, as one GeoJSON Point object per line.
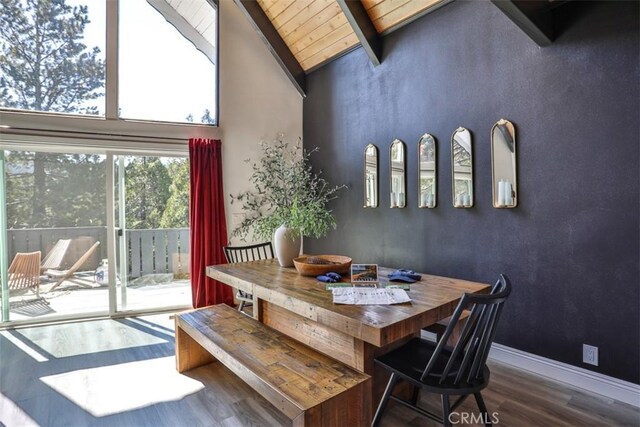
{"type": "Point", "coordinates": [122, 235]}
{"type": "Point", "coordinates": [111, 71]}
{"type": "Point", "coordinates": [4, 261]}
{"type": "Point", "coordinates": [111, 234]}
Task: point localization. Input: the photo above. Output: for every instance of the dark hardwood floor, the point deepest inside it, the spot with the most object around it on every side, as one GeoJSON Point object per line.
{"type": "Point", "coordinates": [122, 373]}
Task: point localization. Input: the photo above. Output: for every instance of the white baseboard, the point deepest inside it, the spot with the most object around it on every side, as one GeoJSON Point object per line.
{"type": "Point", "coordinates": [594, 382]}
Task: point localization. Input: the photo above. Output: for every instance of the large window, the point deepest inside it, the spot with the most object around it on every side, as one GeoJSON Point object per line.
{"type": "Point", "coordinates": [56, 241]}
{"type": "Point", "coordinates": [53, 56]}
{"type": "Point", "coordinates": [163, 74]}
{"type": "Point", "coordinates": [56, 234]}
{"type": "Point", "coordinates": [89, 89]}
{"type": "Point", "coordinates": [153, 242]}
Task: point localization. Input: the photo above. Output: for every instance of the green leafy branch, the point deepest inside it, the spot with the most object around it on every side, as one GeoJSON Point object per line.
{"type": "Point", "coordinates": [286, 191]}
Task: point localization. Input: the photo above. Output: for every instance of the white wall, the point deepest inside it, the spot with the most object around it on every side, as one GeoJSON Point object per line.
{"type": "Point", "coordinates": [257, 101]}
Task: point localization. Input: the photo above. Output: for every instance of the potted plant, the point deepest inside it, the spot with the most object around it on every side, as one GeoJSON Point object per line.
{"type": "Point", "coordinates": [288, 199]}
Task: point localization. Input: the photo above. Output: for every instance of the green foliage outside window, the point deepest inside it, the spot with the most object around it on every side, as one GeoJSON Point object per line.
{"type": "Point", "coordinates": [44, 64]}
{"type": "Point", "coordinates": [55, 190]}
{"type": "Point", "coordinates": [176, 214]}
{"type": "Point", "coordinates": [70, 191]}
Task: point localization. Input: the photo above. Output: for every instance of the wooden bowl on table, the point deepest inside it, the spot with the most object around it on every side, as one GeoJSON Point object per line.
{"type": "Point", "coordinates": [315, 265]}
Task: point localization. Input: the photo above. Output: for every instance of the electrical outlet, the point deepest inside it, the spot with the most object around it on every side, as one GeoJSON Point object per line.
{"type": "Point", "coordinates": [590, 354]}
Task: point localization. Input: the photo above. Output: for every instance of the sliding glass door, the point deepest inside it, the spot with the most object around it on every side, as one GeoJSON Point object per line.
{"type": "Point", "coordinates": [56, 234]}
{"type": "Point", "coordinates": [153, 232]}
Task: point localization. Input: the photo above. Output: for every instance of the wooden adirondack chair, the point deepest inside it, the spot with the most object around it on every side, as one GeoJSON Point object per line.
{"type": "Point", "coordinates": [63, 275]}
{"type": "Point", "coordinates": [53, 259]}
{"type": "Point", "coordinates": [24, 272]}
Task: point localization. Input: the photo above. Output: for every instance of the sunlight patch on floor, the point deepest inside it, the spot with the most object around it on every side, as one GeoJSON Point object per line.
{"type": "Point", "coordinates": [66, 340]}
{"type": "Point", "coordinates": [23, 346]}
{"type": "Point", "coordinates": [162, 324]}
{"type": "Point", "coordinates": [12, 415]}
{"type": "Point", "coordinates": [113, 389]}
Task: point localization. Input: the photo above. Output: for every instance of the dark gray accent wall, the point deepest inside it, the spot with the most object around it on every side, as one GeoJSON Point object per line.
{"type": "Point", "coordinates": [571, 247]}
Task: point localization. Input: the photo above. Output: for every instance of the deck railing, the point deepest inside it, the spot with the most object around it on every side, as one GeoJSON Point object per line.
{"type": "Point", "coordinates": [149, 251]}
{"type": "Point", "coordinates": [158, 251]}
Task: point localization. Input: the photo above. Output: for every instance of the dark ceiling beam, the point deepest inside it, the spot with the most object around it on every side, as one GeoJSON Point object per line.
{"type": "Point", "coordinates": [274, 42]}
{"type": "Point", "coordinates": [534, 17]}
{"type": "Point", "coordinates": [364, 29]}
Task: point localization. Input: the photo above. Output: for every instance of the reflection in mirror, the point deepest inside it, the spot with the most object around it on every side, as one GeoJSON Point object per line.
{"type": "Point", "coordinates": [427, 171]}
{"type": "Point", "coordinates": [371, 176]}
{"type": "Point", "coordinates": [503, 164]}
{"type": "Point", "coordinates": [397, 178]}
{"type": "Point", "coordinates": [462, 168]}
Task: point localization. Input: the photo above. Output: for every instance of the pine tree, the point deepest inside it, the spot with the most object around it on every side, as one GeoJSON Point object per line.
{"type": "Point", "coordinates": [206, 117]}
{"type": "Point", "coordinates": [147, 192]}
{"type": "Point", "coordinates": [44, 65]}
{"type": "Point", "coordinates": [73, 193]}
{"type": "Point", "coordinates": [176, 214]}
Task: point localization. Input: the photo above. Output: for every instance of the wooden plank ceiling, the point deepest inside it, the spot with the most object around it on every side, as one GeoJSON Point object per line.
{"type": "Point", "coordinates": [317, 31]}
{"type": "Point", "coordinates": [387, 14]}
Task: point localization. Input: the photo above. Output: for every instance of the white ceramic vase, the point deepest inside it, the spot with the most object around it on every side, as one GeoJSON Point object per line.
{"type": "Point", "coordinates": [286, 246]}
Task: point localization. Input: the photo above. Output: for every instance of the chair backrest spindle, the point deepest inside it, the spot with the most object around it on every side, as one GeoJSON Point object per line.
{"type": "Point", "coordinates": [469, 354]}
{"type": "Point", "coordinates": [24, 271]}
{"type": "Point", "coordinates": [248, 253]}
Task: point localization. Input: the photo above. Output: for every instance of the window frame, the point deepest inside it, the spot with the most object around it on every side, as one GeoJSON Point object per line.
{"type": "Point", "coordinates": [47, 145]}
{"type": "Point", "coordinates": [110, 125]}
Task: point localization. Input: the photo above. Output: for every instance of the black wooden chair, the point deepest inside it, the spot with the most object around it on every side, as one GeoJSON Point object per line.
{"type": "Point", "coordinates": [243, 254]}
{"type": "Point", "coordinates": [460, 370]}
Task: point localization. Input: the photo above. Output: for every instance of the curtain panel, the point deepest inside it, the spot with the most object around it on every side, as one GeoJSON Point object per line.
{"type": "Point", "coordinates": [208, 224]}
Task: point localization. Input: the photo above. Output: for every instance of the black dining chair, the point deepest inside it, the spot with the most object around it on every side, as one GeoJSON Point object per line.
{"type": "Point", "coordinates": [243, 254]}
{"type": "Point", "coordinates": [458, 370]}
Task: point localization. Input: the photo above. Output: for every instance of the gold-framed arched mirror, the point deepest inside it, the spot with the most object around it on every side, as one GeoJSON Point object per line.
{"type": "Point", "coordinates": [503, 165]}
{"type": "Point", "coordinates": [371, 176]}
{"type": "Point", "coordinates": [462, 168]}
{"type": "Point", "coordinates": [427, 173]}
{"type": "Point", "coordinates": [397, 175]}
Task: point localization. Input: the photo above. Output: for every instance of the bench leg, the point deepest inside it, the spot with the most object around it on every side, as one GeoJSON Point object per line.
{"type": "Point", "coordinates": [189, 354]}
{"type": "Point", "coordinates": [346, 409]}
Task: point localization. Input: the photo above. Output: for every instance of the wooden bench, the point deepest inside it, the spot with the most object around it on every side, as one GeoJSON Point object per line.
{"type": "Point", "coordinates": [308, 387]}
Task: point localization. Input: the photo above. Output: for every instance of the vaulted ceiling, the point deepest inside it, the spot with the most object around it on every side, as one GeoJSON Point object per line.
{"type": "Point", "coordinates": [318, 30]}
{"type": "Point", "coordinates": [306, 34]}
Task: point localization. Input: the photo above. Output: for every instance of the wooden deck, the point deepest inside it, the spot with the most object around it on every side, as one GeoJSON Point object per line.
{"type": "Point", "coordinates": [150, 251]}
{"type": "Point", "coordinates": [82, 295]}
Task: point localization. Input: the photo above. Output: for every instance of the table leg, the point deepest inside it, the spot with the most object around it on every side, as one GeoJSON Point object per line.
{"type": "Point", "coordinates": [338, 345]}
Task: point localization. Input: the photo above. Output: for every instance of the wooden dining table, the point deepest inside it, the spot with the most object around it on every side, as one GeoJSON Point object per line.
{"type": "Point", "coordinates": [303, 308]}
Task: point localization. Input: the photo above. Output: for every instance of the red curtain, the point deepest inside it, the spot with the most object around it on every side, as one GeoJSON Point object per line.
{"type": "Point", "coordinates": [208, 224]}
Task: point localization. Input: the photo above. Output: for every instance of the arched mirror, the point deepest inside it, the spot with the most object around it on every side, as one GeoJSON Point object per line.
{"type": "Point", "coordinates": [462, 168]}
{"type": "Point", "coordinates": [503, 164]}
{"type": "Point", "coordinates": [371, 176]}
{"type": "Point", "coordinates": [397, 178]}
{"type": "Point", "coordinates": [427, 172]}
